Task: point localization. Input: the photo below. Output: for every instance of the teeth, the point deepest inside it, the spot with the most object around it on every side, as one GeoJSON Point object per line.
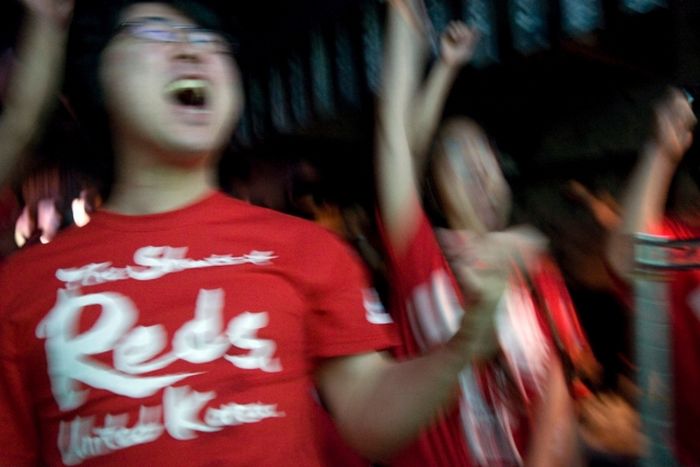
{"type": "Point", "coordinates": [189, 92]}
{"type": "Point", "coordinates": [196, 85]}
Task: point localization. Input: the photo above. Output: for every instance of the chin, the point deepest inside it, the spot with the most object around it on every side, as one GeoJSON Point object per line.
{"type": "Point", "coordinates": [193, 142]}
{"type": "Point", "coordinates": [188, 154]}
{"type": "Point", "coordinates": [205, 138]}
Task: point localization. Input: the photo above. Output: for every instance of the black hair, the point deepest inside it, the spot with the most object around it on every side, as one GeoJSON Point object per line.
{"type": "Point", "coordinates": [431, 195]}
{"type": "Point", "coordinates": [95, 22]}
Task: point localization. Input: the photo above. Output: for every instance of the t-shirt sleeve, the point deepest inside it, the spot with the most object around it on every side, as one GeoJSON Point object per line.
{"type": "Point", "coordinates": [418, 254]}
{"type": "Point", "coordinates": [348, 316]}
{"type": "Point", "coordinates": [18, 443]}
{"type": "Point", "coordinates": [419, 260]}
{"type": "Point", "coordinates": [623, 287]}
{"type": "Point", "coordinates": [553, 291]}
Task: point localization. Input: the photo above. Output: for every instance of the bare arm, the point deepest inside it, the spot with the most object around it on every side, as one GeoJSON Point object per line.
{"type": "Point", "coordinates": [644, 201]}
{"type": "Point", "coordinates": [35, 78]}
{"type": "Point", "coordinates": [398, 197]}
{"type": "Point", "coordinates": [456, 49]}
{"type": "Point", "coordinates": [408, 114]}
{"type": "Point", "coordinates": [379, 404]}
{"type": "Point", "coordinates": [555, 440]}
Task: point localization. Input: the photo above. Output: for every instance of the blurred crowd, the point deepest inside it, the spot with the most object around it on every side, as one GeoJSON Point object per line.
{"type": "Point", "coordinates": [527, 277]}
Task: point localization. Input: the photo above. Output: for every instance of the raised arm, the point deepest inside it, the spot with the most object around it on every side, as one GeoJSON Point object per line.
{"type": "Point", "coordinates": [644, 201]}
{"type": "Point", "coordinates": [456, 49]}
{"type": "Point", "coordinates": [398, 197]}
{"type": "Point", "coordinates": [35, 79]}
{"type": "Point", "coordinates": [409, 113]}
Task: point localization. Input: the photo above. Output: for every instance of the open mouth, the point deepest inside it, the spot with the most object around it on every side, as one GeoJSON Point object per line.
{"type": "Point", "coordinates": [190, 93]}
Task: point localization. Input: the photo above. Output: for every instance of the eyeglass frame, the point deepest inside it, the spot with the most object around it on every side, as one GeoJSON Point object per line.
{"type": "Point", "coordinates": [182, 33]}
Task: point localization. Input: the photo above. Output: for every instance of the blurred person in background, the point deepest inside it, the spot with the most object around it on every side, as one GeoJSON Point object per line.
{"type": "Point", "coordinates": [577, 210]}
{"type": "Point", "coordinates": [516, 408]}
{"type": "Point", "coordinates": [669, 153]}
{"type": "Point", "coordinates": [32, 88]}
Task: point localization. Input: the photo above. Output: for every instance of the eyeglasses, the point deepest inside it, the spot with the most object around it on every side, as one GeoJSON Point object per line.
{"type": "Point", "coordinates": [163, 30]}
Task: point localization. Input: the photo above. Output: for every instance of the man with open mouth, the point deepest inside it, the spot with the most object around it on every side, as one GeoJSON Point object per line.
{"type": "Point", "coordinates": [180, 326]}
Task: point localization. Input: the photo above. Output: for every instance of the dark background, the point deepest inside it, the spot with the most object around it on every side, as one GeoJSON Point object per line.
{"type": "Point", "coordinates": [577, 99]}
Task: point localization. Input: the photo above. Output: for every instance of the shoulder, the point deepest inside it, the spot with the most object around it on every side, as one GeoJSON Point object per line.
{"type": "Point", "coordinates": [281, 225]}
{"type": "Point", "coordinates": [33, 256]}
{"type": "Point", "coordinates": [307, 244]}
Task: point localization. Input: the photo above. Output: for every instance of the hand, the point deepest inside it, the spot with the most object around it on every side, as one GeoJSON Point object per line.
{"type": "Point", "coordinates": [482, 266]}
{"type": "Point", "coordinates": [47, 198]}
{"type": "Point", "coordinates": [458, 43]}
{"type": "Point", "coordinates": [674, 123]}
{"type": "Point", "coordinates": [58, 11]}
{"type": "Point", "coordinates": [476, 338]}
{"type": "Point", "coordinates": [609, 424]}
{"type": "Point", "coordinates": [478, 325]}
{"type": "Point", "coordinates": [603, 207]}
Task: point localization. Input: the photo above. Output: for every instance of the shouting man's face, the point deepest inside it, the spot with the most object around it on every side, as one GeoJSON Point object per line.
{"type": "Point", "coordinates": [170, 87]}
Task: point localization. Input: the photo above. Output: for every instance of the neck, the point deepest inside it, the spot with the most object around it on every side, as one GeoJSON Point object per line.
{"type": "Point", "coordinates": [147, 185]}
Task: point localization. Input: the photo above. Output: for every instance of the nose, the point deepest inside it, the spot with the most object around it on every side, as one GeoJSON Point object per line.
{"type": "Point", "coordinates": [185, 51]}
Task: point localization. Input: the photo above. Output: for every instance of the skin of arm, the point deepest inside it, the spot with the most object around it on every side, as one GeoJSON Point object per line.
{"type": "Point", "coordinates": [645, 198]}
{"type": "Point", "coordinates": [555, 439]}
{"type": "Point", "coordinates": [398, 196]}
{"type": "Point", "coordinates": [379, 404]}
{"type": "Point", "coordinates": [35, 78]}
{"type": "Point", "coordinates": [409, 113]}
{"type": "Point", "coordinates": [456, 49]}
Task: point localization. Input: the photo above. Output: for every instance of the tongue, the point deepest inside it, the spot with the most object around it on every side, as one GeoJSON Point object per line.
{"type": "Point", "coordinates": [191, 97]}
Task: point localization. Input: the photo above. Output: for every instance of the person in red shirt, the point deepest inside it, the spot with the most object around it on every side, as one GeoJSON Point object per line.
{"type": "Point", "coordinates": [514, 408]}
{"type": "Point", "coordinates": [644, 210]}
{"type": "Point", "coordinates": [180, 326]}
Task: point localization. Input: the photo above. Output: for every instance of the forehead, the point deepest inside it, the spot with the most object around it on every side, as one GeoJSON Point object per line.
{"type": "Point", "coordinates": [464, 132]}
{"type": "Point", "coordinates": [154, 10]}
{"type": "Point", "coordinates": [466, 142]}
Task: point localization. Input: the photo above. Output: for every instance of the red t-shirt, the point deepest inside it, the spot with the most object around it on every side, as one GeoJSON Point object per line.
{"type": "Point", "coordinates": [183, 338]}
{"type": "Point", "coordinates": [426, 308]}
{"type": "Point", "coordinates": [490, 426]}
{"type": "Point", "coordinates": [685, 329]}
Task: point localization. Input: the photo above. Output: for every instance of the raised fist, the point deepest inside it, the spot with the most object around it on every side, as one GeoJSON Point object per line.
{"type": "Point", "coordinates": [458, 43]}
{"type": "Point", "coordinates": [674, 123]}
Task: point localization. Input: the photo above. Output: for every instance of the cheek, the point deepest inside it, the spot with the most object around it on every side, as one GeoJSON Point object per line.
{"type": "Point", "coordinates": [124, 72]}
{"type": "Point", "coordinates": [231, 81]}
{"type": "Point", "coordinates": [451, 188]}
{"type": "Point", "coordinates": [230, 103]}
{"type": "Point", "coordinates": [115, 75]}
